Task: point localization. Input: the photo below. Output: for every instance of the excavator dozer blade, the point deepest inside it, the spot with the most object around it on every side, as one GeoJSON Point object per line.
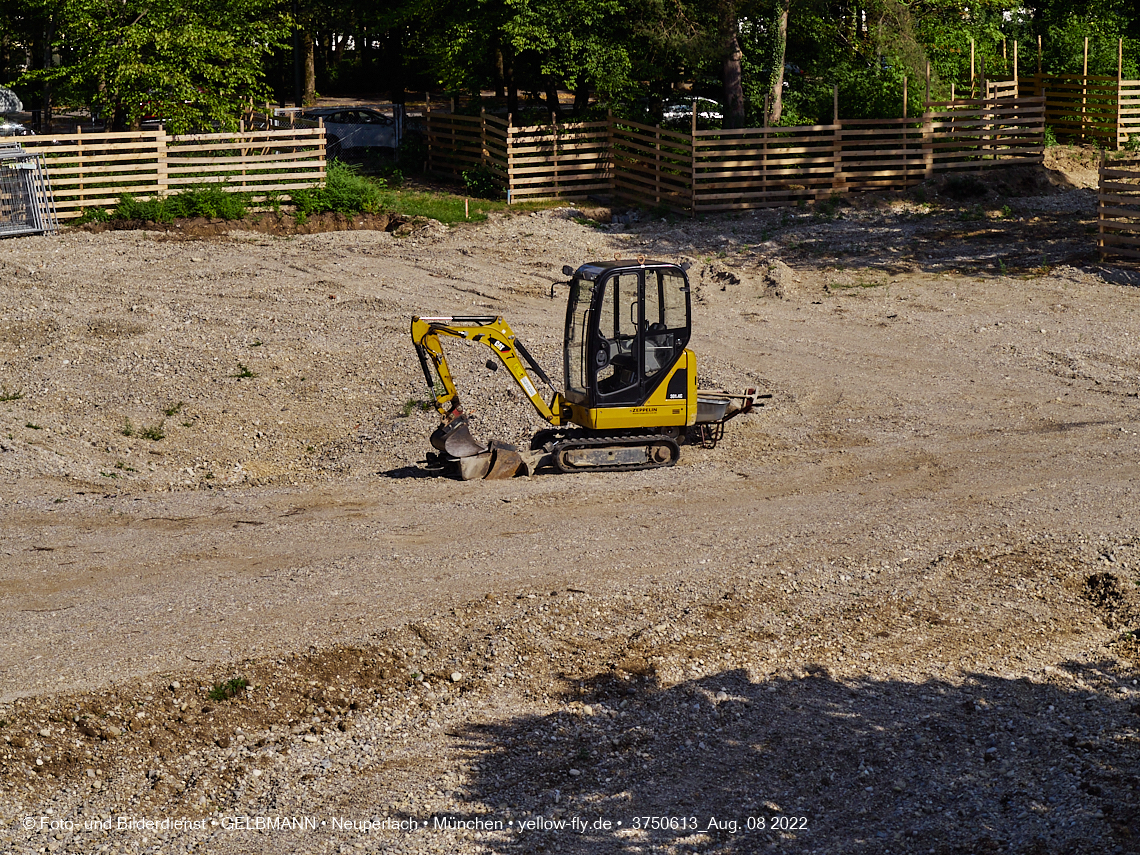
{"type": "Point", "coordinates": [505, 464]}
{"type": "Point", "coordinates": [454, 438]}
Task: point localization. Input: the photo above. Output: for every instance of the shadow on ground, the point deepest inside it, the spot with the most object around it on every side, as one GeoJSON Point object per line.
{"type": "Point", "coordinates": [874, 767]}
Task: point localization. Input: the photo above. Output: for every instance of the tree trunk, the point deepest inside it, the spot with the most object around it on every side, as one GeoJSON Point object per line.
{"type": "Point", "coordinates": [509, 81]}
{"type": "Point", "coordinates": [393, 60]}
{"type": "Point", "coordinates": [310, 91]}
{"type": "Point", "coordinates": [581, 98]}
{"type": "Point", "coordinates": [49, 37]}
{"type": "Point", "coordinates": [733, 83]}
{"type": "Point", "coordinates": [500, 74]}
{"type": "Point", "coordinates": [553, 104]}
{"type": "Point", "coordinates": [119, 117]}
{"type": "Point", "coordinates": [777, 108]}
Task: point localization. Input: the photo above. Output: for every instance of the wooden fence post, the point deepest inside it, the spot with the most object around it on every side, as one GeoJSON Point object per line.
{"type": "Point", "coordinates": [244, 151]}
{"type": "Point", "coordinates": [971, 67]}
{"type": "Point", "coordinates": [927, 143]}
{"type": "Point", "coordinates": [79, 161]}
{"type": "Point", "coordinates": [1100, 210]}
{"type": "Point", "coordinates": [1016, 82]}
{"type": "Point", "coordinates": [1121, 137]}
{"type": "Point", "coordinates": [162, 178]}
{"type": "Point", "coordinates": [904, 96]}
{"type": "Point", "coordinates": [1084, 90]}
{"type": "Point", "coordinates": [693, 165]}
{"type": "Point", "coordinates": [427, 127]}
{"type": "Point", "coordinates": [554, 130]}
{"type": "Point", "coordinates": [657, 165]}
{"type": "Point", "coordinates": [510, 156]}
{"type": "Point", "coordinates": [838, 182]}
{"type": "Point", "coordinates": [1039, 54]}
{"type": "Point", "coordinates": [484, 154]}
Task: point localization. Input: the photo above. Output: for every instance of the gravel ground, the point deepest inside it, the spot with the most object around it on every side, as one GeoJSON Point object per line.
{"type": "Point", "coordinates": [892, 612]}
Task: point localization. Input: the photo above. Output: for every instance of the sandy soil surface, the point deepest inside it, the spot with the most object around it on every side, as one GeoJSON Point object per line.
{"type": "Point", "coordinates": [892, 611]}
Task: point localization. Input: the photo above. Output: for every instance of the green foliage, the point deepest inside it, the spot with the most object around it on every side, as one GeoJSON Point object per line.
{"type": "Point", "coordinates": [191, 63]}
{"type": "Point", "coordinates": [210, 200]}
{"type": "Point", "coordinates": [479, 181]}
{"type": "Point", "coordinates": [413, 404]}
{"type": "Point", "coordinates": [154, 432]}
{"type": "Point", "coordinates": [228, 689]}
{"type": "Point", "coordinates": [1050, 137]}
{"type": "Point", "coordinates": [7, 394]}
{"type": "Point", "coordinates": [345, 191]}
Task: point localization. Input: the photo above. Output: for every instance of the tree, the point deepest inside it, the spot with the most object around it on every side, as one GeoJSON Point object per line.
{"type": "Point", "coordinates": [192, 63]}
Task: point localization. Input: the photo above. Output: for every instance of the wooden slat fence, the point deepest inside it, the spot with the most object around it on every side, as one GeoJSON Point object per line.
{"type": "Point", "coordinates": [977, 134]}
{"type": "Point", "coordinates": [456, 143]}
{"type": "Point", "coordinates": [558, 161]}
{"type": "Point", "coordinates": [708, 171]}
{"type": "Point", "coordinates": [1087, 108]}
{"type": "Point", "coordinates": [763, 167]}
{"type": "Point", "coordinates": [1129, 112]}
{"type": "Point", "coordinates": [882, 154]}
{"type": "Point", "coordinates": [1002, 89]}
{"type": "Point", "coordinates": [651, 165]}
{"type": "Point", "coordinates": [1118, 208]}
{"type": "Point", "coordinates": [94, 170]}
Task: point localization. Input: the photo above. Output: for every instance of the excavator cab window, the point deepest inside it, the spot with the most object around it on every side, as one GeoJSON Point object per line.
{"type": "Point", "coordinates": [623, 334]}
{"type": "Point", "coordinates": [575, 354]}
{"type": "Point", "coordinates": [617, 373]}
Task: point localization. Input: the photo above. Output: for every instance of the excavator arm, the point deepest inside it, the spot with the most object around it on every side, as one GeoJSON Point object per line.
{"type": "Point", "coordinates": [454, 436]}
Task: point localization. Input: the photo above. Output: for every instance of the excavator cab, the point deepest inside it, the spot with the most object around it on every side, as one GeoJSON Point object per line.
{"type": "Point", "coordinates": [627, 325]}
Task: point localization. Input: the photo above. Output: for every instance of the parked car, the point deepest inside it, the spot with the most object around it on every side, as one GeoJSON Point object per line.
{"type": "Point", "coordinates": [348, 128]}
{"type": "Point", "coordinates": [707, 109]}
{"type": "Point", "coordinates": [12, 129]}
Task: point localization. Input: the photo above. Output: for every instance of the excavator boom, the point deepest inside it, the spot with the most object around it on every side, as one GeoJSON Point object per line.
{"type": "Point", "coordinates": [453, 437]}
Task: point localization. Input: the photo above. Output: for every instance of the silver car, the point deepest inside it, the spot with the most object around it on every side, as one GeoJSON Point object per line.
{"type": "Point", "coordinates": [12, 129]}
{"type": "Point", "coordinates": [349, 128]}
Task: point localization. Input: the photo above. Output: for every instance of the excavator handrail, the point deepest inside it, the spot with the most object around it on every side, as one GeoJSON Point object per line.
{"type": "Point", "coordinates": [496, 333]}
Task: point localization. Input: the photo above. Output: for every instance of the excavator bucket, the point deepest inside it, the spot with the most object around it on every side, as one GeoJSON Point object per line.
{"type": "Point", "coordinates": [454, 438]}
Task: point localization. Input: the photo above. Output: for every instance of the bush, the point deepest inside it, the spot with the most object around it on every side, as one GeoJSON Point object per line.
{"type": "Point", "coordinates": [210, 200]}
{"type": "Point", "coordinates": [345, 192]}
{"type": "Point", "coordinates": [480, 182]}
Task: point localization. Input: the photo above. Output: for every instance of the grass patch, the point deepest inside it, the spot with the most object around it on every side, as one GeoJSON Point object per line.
{"type": "Point", "coordinates": [174, 409]}
{"type": "Point", "coordinates": [229, 689]}
{"type": "Point", "coordinates": [128, 428]}
{"type": "Point", "coordinates": [412, 404]}
{"type": "Point", "coordinates": [449, 208]}
{"type": "Point", "coordinates": [7, 394]}
{"type": "Point", "coordinates": [33, 427]}
{"type": "Point", "coordinates": [154, 433]}
{"type": "Point", "coordinates": [586, 221]}
{"type": "Point", "coordinates": [243, 373]}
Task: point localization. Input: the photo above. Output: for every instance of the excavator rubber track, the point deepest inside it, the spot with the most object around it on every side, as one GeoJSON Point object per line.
{"type": "Point", "coordinates": [590, 452]}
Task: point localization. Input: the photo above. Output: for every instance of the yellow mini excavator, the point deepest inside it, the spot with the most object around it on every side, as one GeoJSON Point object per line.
{"type": "Point", "coordinates": [631, 383]}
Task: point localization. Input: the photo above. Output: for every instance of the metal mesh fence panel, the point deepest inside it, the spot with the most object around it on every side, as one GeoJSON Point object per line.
{"type": "Point", "coordinates": [26, 205]}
